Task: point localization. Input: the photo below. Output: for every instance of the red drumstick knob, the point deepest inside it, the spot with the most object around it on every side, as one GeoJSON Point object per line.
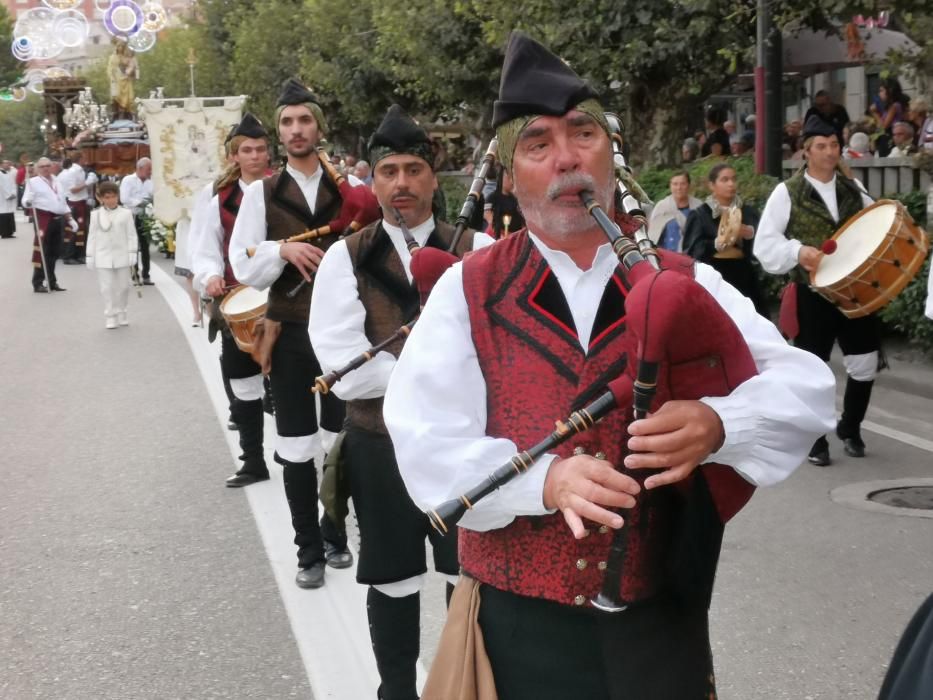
{"type": "Point", "coordinates": [829, 246]}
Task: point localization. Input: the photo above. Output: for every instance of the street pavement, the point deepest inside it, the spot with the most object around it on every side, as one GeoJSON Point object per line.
{"type": "Point", "coordinates": [129, 571]}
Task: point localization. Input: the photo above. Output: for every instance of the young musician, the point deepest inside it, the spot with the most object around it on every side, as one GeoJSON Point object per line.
{"type": "Point", "coordinates": [800, 214]}
{"type": "Point", "coordinates": [364, 292]}
{"type": "Point", "coordinates": [520, 334]}
{"type": "Point", "coordinates": [298, 198]}
{"type": "Point", "coordinates": [249, 149]}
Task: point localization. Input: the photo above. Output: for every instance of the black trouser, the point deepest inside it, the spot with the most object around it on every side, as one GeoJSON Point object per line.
{"type": "Point", "coordinates": [294, 368]}
{"type": "Point", "coordinates": [541, 650]}
{"type": "Point", "coordinates": [143, 247]}
{"type": "Point", "coordinates": [52, 248]}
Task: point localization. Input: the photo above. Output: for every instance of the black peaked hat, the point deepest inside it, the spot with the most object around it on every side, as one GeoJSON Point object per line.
{"type": "Point", "coordinates": [535, 81]}
{"type": "Point", "coordinates": [250, 127]}
{"type": "Point", "coordinates": [399, 133]}
{"type": "Point", "coordinates": [294, 93]}
{"type": "Point", "coordinates": [817, 127]}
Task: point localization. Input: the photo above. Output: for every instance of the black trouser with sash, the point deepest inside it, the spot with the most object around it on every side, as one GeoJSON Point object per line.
{"type": "Point", "coordinates": [294, 368]}
{"type": "Point", "coordinates": [51, 244]}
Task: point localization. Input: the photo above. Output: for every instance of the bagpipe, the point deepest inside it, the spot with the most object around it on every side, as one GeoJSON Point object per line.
{"type": "Point", "coordinates": [427, 265]}
{"type": "Point", "coordinates": [685, 347]}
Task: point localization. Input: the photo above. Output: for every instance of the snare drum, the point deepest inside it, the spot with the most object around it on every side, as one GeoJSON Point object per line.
{"type": "Point", "coordinates": [242, 308]}
{"type": "Point", "coordinates": [878, 252]}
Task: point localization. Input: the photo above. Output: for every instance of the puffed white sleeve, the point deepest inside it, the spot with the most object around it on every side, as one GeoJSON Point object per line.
{"type": "Point", "coordinates": [208, 250]}
{"type": "Point", "coordinates": [337, 328]}
{"type": "Point", "coordinates": [249, 231]}
{"type": "Point", "coordinates": [772, 419]}
{"type": "Point", "coordinates": [435, 410]}
{"type": "Point", "coordinates": [776, 253]}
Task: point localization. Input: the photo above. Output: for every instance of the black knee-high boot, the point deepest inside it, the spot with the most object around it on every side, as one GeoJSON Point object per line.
{"type": "Point", "coordinates": [301, 491]}
{"type": "Point", "coordinates": [249, 420]}
{"type": "Point", "coordinates": [854, 407]}
{"type": "Point", "coordinates": [395, 630]}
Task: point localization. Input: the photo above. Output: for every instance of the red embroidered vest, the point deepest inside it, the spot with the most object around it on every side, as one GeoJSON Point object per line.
{"type": "Point", "coordinates": [536, 373]}
{"type": "Point", "coordinates": [229, 199]}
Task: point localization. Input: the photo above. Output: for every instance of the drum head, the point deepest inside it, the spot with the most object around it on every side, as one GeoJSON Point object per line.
{"type": "Point", "coordinates": [244, 299]}
{"type": "Point", "coordinates": [863, 235]}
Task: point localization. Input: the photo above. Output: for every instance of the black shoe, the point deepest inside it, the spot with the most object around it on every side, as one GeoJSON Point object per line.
{"type": "Point", "coordinates": [56, 288]}
{"type": "Point", "coordinates": [71, 261]}
{"type": "Point", "coordinates": [337, 558]}
{"type": "Point", "coordinates": [41, 290]}
{"type": "Point", "coordinates": [148, 282]}
{"type": "Point", "coordinates": [231, 424]}
{"type": "Point", "coordinates": [819, 453]}
{"type": "Point", "coordinates": [852, 444]}
{"type": "Point", "coordinates": [312, 577]}
{"type": "Point", "coordinates": [241, 479]}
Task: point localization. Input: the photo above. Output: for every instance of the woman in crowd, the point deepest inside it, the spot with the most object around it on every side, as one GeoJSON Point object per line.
{"type": "Point", "coordinates": [888, 109]}
{"type": "Point", "coordinates": [715, 233]}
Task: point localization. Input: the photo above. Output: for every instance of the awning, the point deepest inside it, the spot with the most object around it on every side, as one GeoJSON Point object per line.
{"type": "Point", "coordinates": [810, 52]}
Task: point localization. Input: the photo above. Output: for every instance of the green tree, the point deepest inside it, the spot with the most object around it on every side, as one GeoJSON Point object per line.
{"type": "Point", "coordinates": [19, 127]}
{"type": "Point", "coordinates": [10, 68]}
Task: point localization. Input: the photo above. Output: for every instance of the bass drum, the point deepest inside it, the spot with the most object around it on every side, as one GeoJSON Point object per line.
{"type": "Point", "coordinates": [878, 252]}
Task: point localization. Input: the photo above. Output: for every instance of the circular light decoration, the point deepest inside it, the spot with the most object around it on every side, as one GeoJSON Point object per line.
{"type": "Point", "coordinates": [36, 25]}
{"type": "Point", "coordinates": [102, 5]}
{"type": "Point", "coordinates": [19, 94]}
{"type": "Point", "coordinates": [123, 18]}
{"type": "Point", "coordinates": [154, 17]}
{"type": "Point", "coordinates": [70, 26]}
{"type": "Point", "coordinates": [62, 4]}
{"type": "Point", "coordinates": [22, 48]}
{"type": "Point", "coordinates": [141, 41]}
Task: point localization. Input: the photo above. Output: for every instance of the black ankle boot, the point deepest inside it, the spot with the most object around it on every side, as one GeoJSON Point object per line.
{"type": "Point", "coordinates": [395, 630]}
{"type": "Point", "coordinates": [819, 453]}
{"type": "Point", "coordinates": [249, 419]}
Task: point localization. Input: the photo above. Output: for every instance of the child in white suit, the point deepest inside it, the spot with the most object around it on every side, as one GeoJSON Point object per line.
{"type": "Point", "coordinates": [111, 250]}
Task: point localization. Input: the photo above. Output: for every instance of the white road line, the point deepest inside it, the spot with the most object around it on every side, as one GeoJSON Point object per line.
{"type": "Point", "coordinates": [328, 624]}
{"type": "Point", "coordinates": [899, 435]}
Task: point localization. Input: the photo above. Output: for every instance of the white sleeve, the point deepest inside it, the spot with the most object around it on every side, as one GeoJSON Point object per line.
{"type": "Point", "coordinates": [27, 194]}
{"type": "Point", "coordinates": [481, 240]}
{"type": "Point", "coordinates": [776, 253]}
{"type": "Point", "coordinates": [208, 250]}
{"type": "Point", "coordinates": [772, 419]}
{"type": "Point", "coordinates": [128, 193]}
{"type": "Point", "coordinates": [337, 328]}
{"type": "Point", "coordinates": [263, 268]}
{"type": "Point", "coordinates": [435, 410]}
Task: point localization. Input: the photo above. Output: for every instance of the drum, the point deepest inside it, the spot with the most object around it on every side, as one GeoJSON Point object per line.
{"type": "Point", "coordinates": [878, 252]}
{"type": "Point", "coordinates": [241, 309]}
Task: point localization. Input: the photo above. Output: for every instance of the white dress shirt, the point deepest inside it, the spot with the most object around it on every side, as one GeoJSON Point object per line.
{"type": "Point", "coordinates": [777, 253]}
{"type": "Point", "coordinates": [435, 406]}
{"type": "Point", "coordinates": [249, 231]}
{"type": "Point", "coordinates": [338, 317]}
{"type": "Point", "coordinates": [46, 195]}
{"type": "Point", "coordinates": [74, 177]}
{"type": "Point", "coordinates": [929, 309]}
{"type": "Point", "coordinates": [207, 257]}
{"type": "Point", "coordinates": [134, 192]}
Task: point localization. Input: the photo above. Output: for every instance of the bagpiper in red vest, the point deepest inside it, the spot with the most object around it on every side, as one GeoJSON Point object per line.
{"type": "Point", "coordinates": [536, 372]}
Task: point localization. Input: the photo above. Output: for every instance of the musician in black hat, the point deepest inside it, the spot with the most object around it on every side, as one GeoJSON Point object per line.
{"type": "Point", "coordinates": [532, 327]}
{"type": "Point", "coordinates": [248, 146]}
{"type": "Point", "coordinates": [299, 197]}
{"type": "Point", "coordinates": [800, 215]}
{"type": "Point", "coordinates": [364, 293]}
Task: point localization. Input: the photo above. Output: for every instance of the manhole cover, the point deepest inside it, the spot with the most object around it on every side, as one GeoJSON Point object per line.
{"type": "Point", "coordinates": [918, 497]}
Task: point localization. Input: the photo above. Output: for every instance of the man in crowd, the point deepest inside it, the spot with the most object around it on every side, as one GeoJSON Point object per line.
{"type": "Point", "coordinates": [828, 111]}
{"type": "Point", "coordinates": [7, 199]}
{"type": "Point", "coordinates": [525, 331]}
{"type": "Point", "coordinates": [298, 198]}
{"type": "Point", "coordinates": [363, 294]}
{"type": "Point", "coordinates": [213, 277]}
{"type": "Point", "coordinates": [668, 217]}
{"type": "Point", "coordinates": [46, 198]}
{"type": "Point", "coordinates": [135, 194]}
{"type": "Point", "coordinates": [903, 135]}
{"type": "Point", "coordinates": [73, 180]}
{"type": "Point", "coordinates": [800, 214]}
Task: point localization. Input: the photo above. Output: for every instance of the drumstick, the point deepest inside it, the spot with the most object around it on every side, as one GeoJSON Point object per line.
{"type": "Point", "coordinates": [306, 236]}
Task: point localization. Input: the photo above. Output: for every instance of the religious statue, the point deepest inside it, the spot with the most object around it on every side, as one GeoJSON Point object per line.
{"type": "Point", "coordinates": [123, 70]}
